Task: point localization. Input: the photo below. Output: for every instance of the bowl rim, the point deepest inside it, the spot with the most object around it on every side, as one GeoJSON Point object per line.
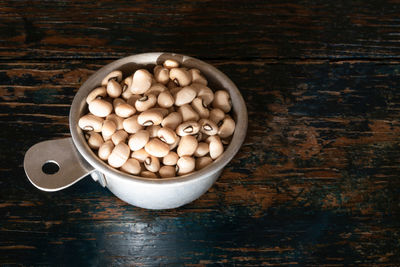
{"type": "Point", "coordinates": [238, 106]}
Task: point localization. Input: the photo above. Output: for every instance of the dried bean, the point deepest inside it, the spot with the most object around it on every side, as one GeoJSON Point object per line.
{"type": "Point", "coordinates": [115, 75]}
{"type": "Point", "coordinates": [131, 166]}
{"type": "Point", "coordinates": [157, 148]}
{"type": "Point", "coordinates": [185, 165]}
{"type": "Point", "coordinates": [201, 150]}
{"type": "Point", "coordinates": [172, 120]}
{"type": "Point", "coordinates": [90, 122]}
{"type": "Point", "coordinates": [119, 155]}
{"type": "Point", "coordinates": [105, 150]}
{"type": "Point", "coordinates": [187, 146]}
{"type": "Point", "coordinates": [100, 107]}
{"type": "Point", "coordinates": [138, 140]}
{"type": "Point", "coordinates": [152, 164]}
{"type": "Point", "coordinates": [119, 136]}
{"type": "Point", "coordinates": [171, 158]}
{"type": "Point", "coordinates": [203, 162]}
{"type": "Point", "coordinates": [167, 171]}
{"type": "Point", "coordinates": [131, 124]}
{"type": "Point", "coordinates": [222, 100]}
{"type": "Point", "coordinates": [188, 114]}
{"type": "Point", "coordinates": [188, 128]}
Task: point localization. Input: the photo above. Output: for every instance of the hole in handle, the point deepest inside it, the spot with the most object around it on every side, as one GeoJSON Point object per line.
{"type": "Point", "coordinates": [50, 167]}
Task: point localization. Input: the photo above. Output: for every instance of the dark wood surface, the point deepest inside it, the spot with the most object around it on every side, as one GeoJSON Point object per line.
{"type": "Point", "coordinates": [317, 181]}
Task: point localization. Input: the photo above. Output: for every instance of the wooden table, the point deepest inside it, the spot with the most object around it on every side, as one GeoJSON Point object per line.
{"type": "Point", "coordinates": [317, 181]}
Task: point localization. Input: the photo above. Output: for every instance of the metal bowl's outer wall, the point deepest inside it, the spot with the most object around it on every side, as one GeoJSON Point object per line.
{"type": "Point", "coordinates": [159, 193]}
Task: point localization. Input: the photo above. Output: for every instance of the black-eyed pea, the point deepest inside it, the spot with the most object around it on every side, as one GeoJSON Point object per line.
{"type": "Point", "coordinates": [145, 102]}
{"type": "Point", "coordinates": [203, 162]}
{"type": "Point", "coordinates": [116, 119]}
{"type": "Point", "coordinates": [131, 166]}
{"type": "Point", "coordinates": [170, 159]}
{"type": "Point", "coordinates": [161, 74]}
{"type": "Point", "coordinates": [99, 92]}
{"type": "Point", "coordinates": [117, 101]}
{"type": "Point", "coordinates": [199, 107]}
{"type": "Point", "coordinates": [108, 129]}
{"type": "Point", "coordinates": [165, 100]}
{"type": "Point", "coordinates": [114, 89]}
{"type": "Point", "coordinates": [105, 150]}
{"type": "Point", "coordinates": [202, 149]}
{"type": "Point", "coordinates": [216, 115]}
{"type": "Point", "coordinates": [124, 110]}
{"type": "Point", "coordinates": [188, 114]}
{"type": "Point", "coordinates": [197, 77]}
{"type": "Point", "coordinates": [119, 136]}
{"type": "Point", "coordinates": [140, 155]}
{"type": "Point", "coordinates": [185, 165]}
{"type": "Point", "coordinates": [153, 130]}
{"type": "Point", "coordinates": [114, 75]}
{"type": "Point", "coordinates": [227, 127]}
{"type": "Point", "coordinates": [156, 89]}
{"type": "Point", "coordinates": [174, 145]}
{"type": "Point", "coordinates": [188, 128]}
{"type": "Point", "coordinates": [148, 174]}
{"type": "Point", "coordinates": [172, 120]}
{"type": "Point", "coordinates": [132, 99]}
{"type": "Point", "coordinates": [167, 171]}
{"type": "Point", "coordinates": [164, 111]}
{"type": "Point", "coordinates": [90, 122]}
{"type": "Point", "coordinates": [208, 127]}
{"type": "Point", "coordinates": [131, 124]}
{"type": "Point", "coordinates": [170, 63]}
{"type": "Point", "coordinates": [180, 76]}
{"type": "Point", "coordinates": [138, 140]}
{"type": "Point", "coordinates": [152, 164]}
{"type": "Point", "coordinates": [187, 146]}
{"type": "Point", "coordinates": [100, 107]}
{"type": "Point", "coordinates": [215, 146]}
{"type": "Point", "coordinates": [157, 148]}
{"type": "Point", "coordinates": [167, 135]}
{"type": "Point", "coordinates": [185, 96]}
{"type": "Point", "coordinates": [222, 100]}
{"type": "Point", "coordinates": [204, 93]}
{"type": "Point", "coordinates": [125, 85]}
{"type": "Point", "coordinates": [119, 155]}
{"type": "Point", "coordinates": [94, 140]}
{"type": "Point", "coordinates": [150, 117]}
{"type": "Point", "coordinates": [142, 80]}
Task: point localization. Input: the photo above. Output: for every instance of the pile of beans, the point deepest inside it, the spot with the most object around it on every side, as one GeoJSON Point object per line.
{"type": "Point", "coordinates": [163, 124]}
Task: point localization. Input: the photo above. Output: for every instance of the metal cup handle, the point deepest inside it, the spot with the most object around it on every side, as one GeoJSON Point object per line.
{"type": "Point", "coordinates": [58, 153]}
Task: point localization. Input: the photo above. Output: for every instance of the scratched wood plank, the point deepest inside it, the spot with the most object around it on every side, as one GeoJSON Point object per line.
{"type": "Point", "coordinates": [316, 181]}
{"type": "Point", "coordinates": [208, 29]}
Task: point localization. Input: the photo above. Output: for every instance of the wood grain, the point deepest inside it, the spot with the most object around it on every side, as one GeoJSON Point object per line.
{"type": "Point", "coordinates": [249, 30]}
{"type": "Point", "coordinates": [316, 181]}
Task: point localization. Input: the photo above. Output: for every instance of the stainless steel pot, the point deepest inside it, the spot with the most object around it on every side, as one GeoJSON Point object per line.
{"type": "Point", "coordinates": [76, 160]}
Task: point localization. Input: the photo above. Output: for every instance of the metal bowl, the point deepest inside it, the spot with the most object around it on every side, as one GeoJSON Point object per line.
{"type": "Point", "coordinates": [76, 160]}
